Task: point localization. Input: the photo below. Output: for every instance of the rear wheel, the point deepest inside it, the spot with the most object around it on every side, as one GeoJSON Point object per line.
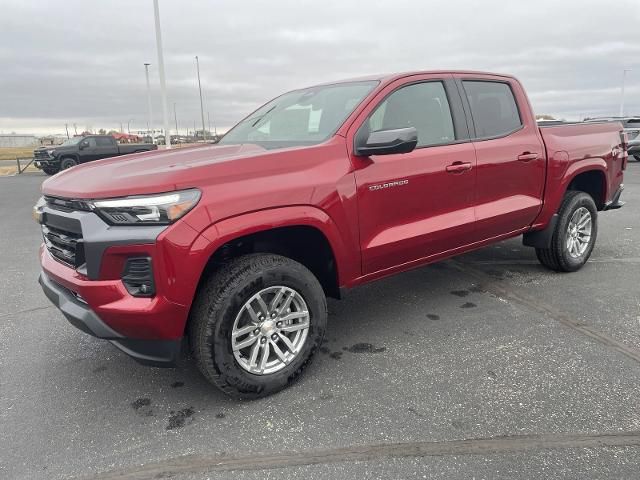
{"type": "Point", "coordinates": [256, 324]}
{"type": "Point", "coordinates": [67, 163]}
{"type": "Point", "coordinates": [575, 234]}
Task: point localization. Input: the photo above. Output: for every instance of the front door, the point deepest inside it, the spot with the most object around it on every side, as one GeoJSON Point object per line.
{"type": "Point", "coordinates": [418, 204]}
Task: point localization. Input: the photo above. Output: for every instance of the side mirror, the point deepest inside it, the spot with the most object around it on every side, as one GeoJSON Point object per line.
{"type": "Point", "coordinates": [82, 145]}
{"type": "Point", "coordinates": [385, 142]}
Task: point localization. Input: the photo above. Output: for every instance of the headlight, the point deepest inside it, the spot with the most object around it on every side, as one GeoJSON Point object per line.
{"type": "Point", "coordinates": [37, 209]}
{"type": "Point", "coordinates": [51, 152]}
{"type": "Point", "coordinates": [161, 209]}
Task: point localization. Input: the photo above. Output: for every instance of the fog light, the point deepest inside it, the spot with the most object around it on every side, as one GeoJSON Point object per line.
{"type": "Point", "coordinates": [137, 277]}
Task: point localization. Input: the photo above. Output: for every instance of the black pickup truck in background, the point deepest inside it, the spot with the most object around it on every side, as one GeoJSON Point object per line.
{"type": "Point", "coordinates": [78, 150]}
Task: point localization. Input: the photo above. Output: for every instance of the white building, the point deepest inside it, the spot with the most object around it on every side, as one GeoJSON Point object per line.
{"type": "Point", "coordinates": [17, 141]}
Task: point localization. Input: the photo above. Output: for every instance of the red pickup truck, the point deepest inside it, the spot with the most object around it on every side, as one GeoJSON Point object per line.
{"type": "Point", "coordinates": [232, 249]}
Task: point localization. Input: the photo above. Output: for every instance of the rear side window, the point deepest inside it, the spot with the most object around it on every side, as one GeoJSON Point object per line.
{"type": "Point", "coordinates": [103, 141]}
{"type": "Point", "coordinates": [493, 107]}
{"type": "Point", "coordinates": [421, 105]}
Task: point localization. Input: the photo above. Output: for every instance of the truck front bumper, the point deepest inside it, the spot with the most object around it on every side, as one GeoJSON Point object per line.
{"type": "Point", "coordinates": [158, 353]}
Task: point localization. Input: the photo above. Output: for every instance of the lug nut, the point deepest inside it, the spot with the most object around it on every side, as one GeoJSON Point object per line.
{"type": "Point", "coordinates": [273, 315]}
{"type": "Point", "coordinates": [263, 340]}
{"type": "Point", "coordinates": [256, 331]}
{"type": "Point", "coordinates": [274, 337]}
{"type": "Point", "coordinates": [279, 324]}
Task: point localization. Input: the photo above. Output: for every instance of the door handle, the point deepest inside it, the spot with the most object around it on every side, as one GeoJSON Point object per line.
{"type": "Point", "coordinates": [527, 157]}
{"type": "Point", "coordinates": [458, 167]}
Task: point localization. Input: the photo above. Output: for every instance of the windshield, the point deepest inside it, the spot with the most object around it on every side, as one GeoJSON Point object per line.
{"type": "Point", "coordinates": [73, 141]}
{"type": "Point", "coordinates": [301, 117]}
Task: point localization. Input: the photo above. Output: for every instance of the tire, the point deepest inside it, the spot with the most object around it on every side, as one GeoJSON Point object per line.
{"type": "Point", "coordinates": [220, 306]}
{"type": "Point", "coordinates": [67, 163]}
{"type": "Point", "coordinates": [564, 254]}
{"type": "Point", "coordinates": [637, 157]}
{"type": "Point", "coordinates": [50, 170]}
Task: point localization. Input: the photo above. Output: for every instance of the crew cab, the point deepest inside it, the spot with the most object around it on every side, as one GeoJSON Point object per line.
{"type": "Point", "coordinates": [231, 250]}
{"type": "Point", "coordinates": [80, 149]}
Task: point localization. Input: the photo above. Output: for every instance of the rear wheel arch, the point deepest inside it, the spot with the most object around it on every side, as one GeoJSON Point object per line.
{"type": "Point", "coordinates": [592, 182]}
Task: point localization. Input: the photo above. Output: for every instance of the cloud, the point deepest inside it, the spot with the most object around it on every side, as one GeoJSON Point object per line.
{"type": "Point", "coordinates": [82, 62]}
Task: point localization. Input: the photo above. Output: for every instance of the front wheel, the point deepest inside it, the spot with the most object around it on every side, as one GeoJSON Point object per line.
{"type": "Point", "coordinates": [575, 234]}
{"type": "Point", "coordinates": [67, 163]}
{"type": "Point", "coordinates": [256, 324]}
{"type": "Point", "coordinates": [49, 170]}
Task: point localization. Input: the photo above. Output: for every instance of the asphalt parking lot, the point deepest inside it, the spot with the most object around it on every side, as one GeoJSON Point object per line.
{"type": "Point", "coordinates": [486, 366]}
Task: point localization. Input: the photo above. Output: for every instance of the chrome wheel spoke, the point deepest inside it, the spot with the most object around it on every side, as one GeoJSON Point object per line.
{"type": "Point", "coordinates": [279, 352]}
{"type": "Point", "coordinates": [245, 343]}
{"type": "Point", "coordinates": [252, 313]}
{"type": "Point", "coordinates": [263, 305]}
{"type": "Point", "coordinates": [287, 302]}
{"type": "Point", "coordinates": [264, 357]}
{"type": "Point", "coordinates": [254, 355]}
{"type": "Point", "coordinates": [294, 327]}
{"type": "Point", "coordinates": [287, 342]}
{"type": "Point", "coordinates": [277, 298]}
{"type": "Point", "coordinates": [293, 316]}
{"type": "Point", "coordinates": [243, 331]}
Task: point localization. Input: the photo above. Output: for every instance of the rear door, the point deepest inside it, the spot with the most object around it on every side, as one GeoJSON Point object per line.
{"type": "Point", "coordinates": [417, 204]}
{"type": "Point", "coordinates": [105, 147]}
{"type": "Point", "coordinates": [510, 155]}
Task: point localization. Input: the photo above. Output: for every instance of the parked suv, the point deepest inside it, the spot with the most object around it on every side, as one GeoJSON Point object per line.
{"type": "Point", "coordinates": [233, 248]}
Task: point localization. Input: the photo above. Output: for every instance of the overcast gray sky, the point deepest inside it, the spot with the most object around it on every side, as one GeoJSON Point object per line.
{"type": "Point", "coordinates": [78, 61]}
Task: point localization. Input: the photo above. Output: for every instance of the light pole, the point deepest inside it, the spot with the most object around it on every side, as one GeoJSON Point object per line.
{"type": "Point", "coordinates": [175, 117]}
{"type": "Point", "coordinates": [149, 110]}
{"type": "Point", "coordinates": [163, 85]}
{"type": "Point", "coordinates": [204, 135]}
{"type": "Point", "coordinates": [624, 77]}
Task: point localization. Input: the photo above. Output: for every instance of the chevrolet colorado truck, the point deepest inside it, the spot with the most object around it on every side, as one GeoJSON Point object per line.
{"type": "Point", "coordinates": [78, 150]}
{"type": "Point", "coordinates": [231, 250]}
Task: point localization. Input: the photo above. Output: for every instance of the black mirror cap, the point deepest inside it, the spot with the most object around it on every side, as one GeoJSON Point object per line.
{"type": "Point", "coordinates": [386, 142]}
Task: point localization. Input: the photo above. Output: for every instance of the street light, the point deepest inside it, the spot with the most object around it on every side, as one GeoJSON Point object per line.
{"type": "Point", "coordinates": [204, 135]}
{"type": "Point", "coordinates": [163, 86]}
{"type": "Point", "coordinates": [624, 77]}
{"type": "Point", "coordinates": [175, 117]}
{"type": "Point", "coordinates": [149, 110]}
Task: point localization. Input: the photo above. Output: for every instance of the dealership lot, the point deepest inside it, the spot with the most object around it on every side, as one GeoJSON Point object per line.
{"type": "Point", "coordinates": [539, 373]}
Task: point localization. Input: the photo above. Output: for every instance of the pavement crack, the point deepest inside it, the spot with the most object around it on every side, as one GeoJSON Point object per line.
{"type": "Point", "coordinates": [34, 309]}
{"type": "Point", "coordinates": [263, 461]}
{"type": "Point", "coordinates": [539, 306]}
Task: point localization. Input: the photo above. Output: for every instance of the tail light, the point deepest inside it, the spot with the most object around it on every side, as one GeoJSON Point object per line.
{"type": "Point", "coordinates": [624, 144]}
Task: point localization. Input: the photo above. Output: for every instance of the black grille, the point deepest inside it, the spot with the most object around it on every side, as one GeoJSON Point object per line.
{"type": "Point", "coordinates": [137, 277]}
{"type": "Point", "coordinates": [65, 246]}
{"type": "Point", "coordinates": [67, 205]}
{"type": "Point", "coordinates": [41, 155]}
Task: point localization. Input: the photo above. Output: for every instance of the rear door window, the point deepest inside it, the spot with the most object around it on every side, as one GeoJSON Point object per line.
{"type": "Point", "coordinates": [493, 108]}
{"type": "Point", "coordinates": [104, 141]}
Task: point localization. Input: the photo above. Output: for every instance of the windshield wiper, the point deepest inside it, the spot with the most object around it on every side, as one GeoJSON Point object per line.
{"type": "Point", "coordinates": [262, 116]}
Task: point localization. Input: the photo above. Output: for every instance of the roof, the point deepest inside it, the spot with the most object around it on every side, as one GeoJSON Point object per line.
{"type": "Point", "coordinates": [389, 77]}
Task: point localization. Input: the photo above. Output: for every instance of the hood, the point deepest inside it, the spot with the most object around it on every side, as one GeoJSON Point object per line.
{"type": "Point", "coordinates": [149, 172]}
